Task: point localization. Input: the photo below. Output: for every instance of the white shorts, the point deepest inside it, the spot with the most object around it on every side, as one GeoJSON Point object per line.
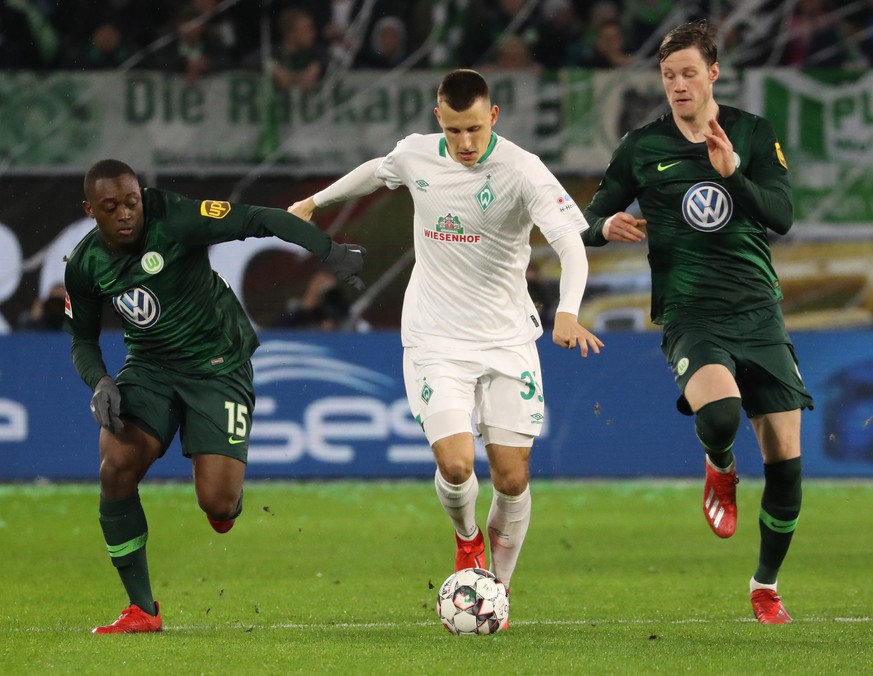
{"type": "Point", "coordinates": [501, 386]}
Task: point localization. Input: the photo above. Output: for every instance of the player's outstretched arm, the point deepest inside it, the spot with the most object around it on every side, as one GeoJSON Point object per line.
{"type": "Point", "coordinates": [569, 333]}
{"type": "Point", "coordinates": [574, 275]}
{"type": "Point", "coordinates": [360, 181]}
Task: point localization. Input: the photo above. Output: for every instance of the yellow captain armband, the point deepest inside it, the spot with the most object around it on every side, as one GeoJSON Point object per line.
{"type": "Point", "coordinates": [214, 209]}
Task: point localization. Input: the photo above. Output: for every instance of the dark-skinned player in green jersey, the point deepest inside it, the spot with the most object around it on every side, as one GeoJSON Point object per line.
{"type": "Point", "coordinates": [189, 344]}
{"type": "Point", "coordinates": [710, 181]}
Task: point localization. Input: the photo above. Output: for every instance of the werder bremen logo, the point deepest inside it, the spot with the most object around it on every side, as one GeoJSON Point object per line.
{"type": "Point", "coordinates": [426, 393]}
{"type": "Point", "coordinates": [449, 223]}
{"type": "Point", "coordinates": [485, 197]}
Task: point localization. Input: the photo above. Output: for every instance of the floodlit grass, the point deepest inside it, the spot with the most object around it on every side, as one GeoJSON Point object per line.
{"type": "Point", "coordinates": [341, 577]}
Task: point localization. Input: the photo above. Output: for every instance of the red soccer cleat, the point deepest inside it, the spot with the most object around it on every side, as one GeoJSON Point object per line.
{"type": "Point", "coordinates": [720, 499]}
{"type": "Point", "coordinates": [768, 607]}
{"type": "Point", "coordinates": [220, 526]}
{"type": "Point", "coordinates": [470, 553]}
{"type": "Point", "coordinates": [133, 620]}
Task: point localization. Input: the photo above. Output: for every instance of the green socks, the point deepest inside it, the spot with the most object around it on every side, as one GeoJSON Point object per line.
{"type": "Point", "coordinates": [126, 531]}
{"type": "Point", "coordinates": [780, 508]}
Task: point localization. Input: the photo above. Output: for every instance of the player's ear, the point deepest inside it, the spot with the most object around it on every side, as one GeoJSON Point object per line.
{"type": "Point", "coordinates": [86, 207]}
{"type": "Point", "coordinates": [495, 113]}
{"type": "Point", "coordinates": [436, 112]}
{"type": "Point", "coordinates": [714, 72]}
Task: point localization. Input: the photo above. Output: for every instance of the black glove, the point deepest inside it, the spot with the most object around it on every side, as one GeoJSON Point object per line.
{"type": "Point", "coordinates": [346, 261]}
{"type": "Point", "coordinates": [106, 405]}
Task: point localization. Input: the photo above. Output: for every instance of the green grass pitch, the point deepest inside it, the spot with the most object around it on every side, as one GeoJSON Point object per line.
{"type": "Point", "coordinates": [341, 578]}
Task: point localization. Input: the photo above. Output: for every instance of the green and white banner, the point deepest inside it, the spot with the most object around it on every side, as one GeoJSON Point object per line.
{"type": "Point", "coordinates": [229, 123]}
{"type": "Point", "coordinates": [825, 125]}
{"type": "Point", "coordinates": [237, 123]}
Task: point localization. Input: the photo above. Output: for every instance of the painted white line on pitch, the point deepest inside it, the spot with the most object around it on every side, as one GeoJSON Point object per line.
{"type": "Point", "coordinates": [401, 625]}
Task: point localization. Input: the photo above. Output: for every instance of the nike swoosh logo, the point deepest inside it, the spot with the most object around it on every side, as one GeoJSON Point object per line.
{"type": "Point", "coordinates": [663, 167]}
{"type": "Point", "coordinates": [233, 440]}
{"type": "Point", "coordinates": [105, 286]}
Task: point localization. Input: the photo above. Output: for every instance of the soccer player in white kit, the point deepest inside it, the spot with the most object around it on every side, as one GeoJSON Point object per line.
{"type": "Point", "coordinates": [468, 325]}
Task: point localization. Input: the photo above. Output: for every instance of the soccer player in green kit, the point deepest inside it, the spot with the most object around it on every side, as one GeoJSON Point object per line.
{"type": "Point", "coordinates": [188, 342]}
{"type": "Point", "coordinates": [710, 181]}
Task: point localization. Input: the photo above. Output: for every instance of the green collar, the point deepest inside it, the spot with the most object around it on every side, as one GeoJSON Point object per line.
{"type": "Point", "coordinates": [445, 153]}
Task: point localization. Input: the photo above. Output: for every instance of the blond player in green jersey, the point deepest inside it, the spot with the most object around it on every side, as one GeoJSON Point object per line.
{"type": "Point", "coordinates": [711, 180]}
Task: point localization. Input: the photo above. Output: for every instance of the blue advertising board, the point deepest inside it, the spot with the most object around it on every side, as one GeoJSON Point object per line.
{"type": "Point", "coordinates": [333, 405]}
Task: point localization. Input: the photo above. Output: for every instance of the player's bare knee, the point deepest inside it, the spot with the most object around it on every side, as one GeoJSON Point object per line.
{"type": "Point", "coordinates": [118, 479]}
{"type": "Point", "coordinates": [219, 501]}
{"type": "Point", "coordinates": [220, 505]}
{"type": "Point", "coordinates": [455, 470]}
{"type": "Point", "coordinates": [512, 483]}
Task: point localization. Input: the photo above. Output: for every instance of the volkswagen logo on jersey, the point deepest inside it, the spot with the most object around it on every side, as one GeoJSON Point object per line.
{"type": "Point", "coordinates": [139, 306]}
{"type": "Point", "coordinates": [707, 207]}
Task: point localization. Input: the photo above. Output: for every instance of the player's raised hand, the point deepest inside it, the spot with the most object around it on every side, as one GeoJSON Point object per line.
{"type": "Point", "coordinates": [303, 209]}
{"type": "Point", "coordinates": [569, 333]}
{"type": "Point", "coordinates": [624, 227]}
{"type": "Point", "coordinates": [346, 261]}
{"type": "Point", "coordinates": [106, 405]}
{"type": "Point", "coordinates": [721, 150]}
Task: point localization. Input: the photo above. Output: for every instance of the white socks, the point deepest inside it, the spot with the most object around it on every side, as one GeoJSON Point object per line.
{"type": "Point", "coordinates": [754, 584]}
{"type": "Point", "coordinates": [459, 501]}
{"type": "Point", "coordinates": [508, 520]}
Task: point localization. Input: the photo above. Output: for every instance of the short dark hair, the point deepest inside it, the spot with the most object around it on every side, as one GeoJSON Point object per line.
{"type": "Point", "coordinates": [106, 169]}
{"type": "Point", "coordinates": [698, 34]}
{"type": "Point", "coordinates": [460, 89]}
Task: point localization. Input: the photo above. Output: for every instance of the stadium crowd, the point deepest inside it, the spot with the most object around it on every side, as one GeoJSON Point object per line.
{"type": "Point", "coordinates": [298, 41]}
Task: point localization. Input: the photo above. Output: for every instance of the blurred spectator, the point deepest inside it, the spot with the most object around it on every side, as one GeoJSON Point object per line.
{"type": "Point", "coordinates": [300, 58]}
{"type": "Point", "coordinates": [77, 22]}
{"type": "Point", "coordinates": [194, 52]}
{"type": "Point", "coordinates": [106, 49]}
{"type": "Point", "coordinates": [45, 314]}
{"type": "Point", "coordinates": [642, 21]}
{"type": "Point", "coordinates": [487, 23]}
{"type": "Point", "coordinates": [442, 23]}
{"type": "Point", "coordinates": [223, 28]}
{"type": "Point", "coordinates": [600, 12]}
{"type": "Point", "coordinates": [368, 15]}
{"type": "Point", "coordinates": [812, 30]}
{"type": "Point", "coordinates": [607, 51]}
{"type": "Point", "coordinates": [28, 40]}
{"type": "Point", "coordinates": [335, 29]}
{"type": "Point", "coordinates": [857, 38]}
{"type": "Point", "coordinates": [387, 47]}
{"type": "Point", "coordinates": [559, 27]}
{"type": "Point", "coordinates": [323, 305]}
{"type": "Point", "coordinates": [513, 53]}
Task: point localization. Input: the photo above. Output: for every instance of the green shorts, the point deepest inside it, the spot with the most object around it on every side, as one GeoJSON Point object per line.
{"type": "Point", "coordinates": [212, 415]}
{"type": "Point", "coordinates": [754, 346]}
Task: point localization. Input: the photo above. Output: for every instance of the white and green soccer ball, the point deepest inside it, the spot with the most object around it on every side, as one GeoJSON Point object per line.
{"type": "Point", "coordinates": [473, 602]}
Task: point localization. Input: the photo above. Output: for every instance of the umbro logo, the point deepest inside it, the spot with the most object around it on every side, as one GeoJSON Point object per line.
{"type": "Point", "coordinates": [422, 184]}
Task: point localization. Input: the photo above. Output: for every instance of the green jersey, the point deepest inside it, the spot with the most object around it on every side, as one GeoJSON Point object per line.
{"type": "Point", "coordinates": [709, 250]}
{"type": "Point", "coordinates": [176, 311]}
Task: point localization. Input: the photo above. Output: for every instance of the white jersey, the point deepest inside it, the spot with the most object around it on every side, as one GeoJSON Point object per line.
{"type": "Point", "coordinates": [472, 240]}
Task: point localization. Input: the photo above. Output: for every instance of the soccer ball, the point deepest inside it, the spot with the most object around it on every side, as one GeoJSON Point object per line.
{"type": "Point", "coordinates": [472, 601]}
